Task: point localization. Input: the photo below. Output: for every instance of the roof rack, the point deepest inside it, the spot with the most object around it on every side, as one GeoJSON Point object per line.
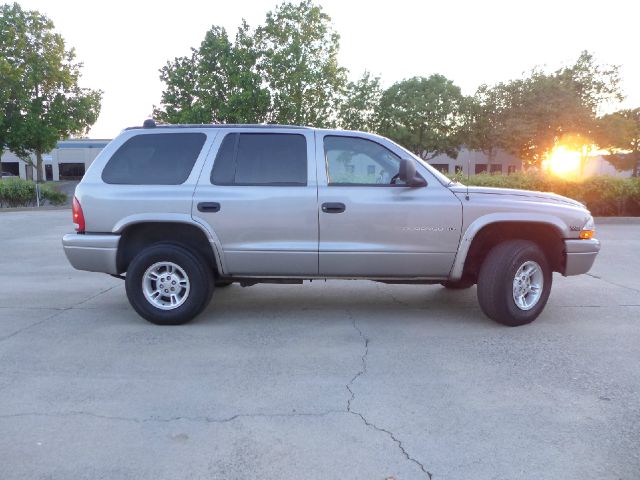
{"type": "Point", "coordinates": [150, 123]}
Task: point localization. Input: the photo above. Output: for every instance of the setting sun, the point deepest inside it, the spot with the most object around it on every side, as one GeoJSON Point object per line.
{"type": "Point", "coordinates": [563, 162]}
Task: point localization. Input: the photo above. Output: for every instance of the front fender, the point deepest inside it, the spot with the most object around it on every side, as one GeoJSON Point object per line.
{"type": "Point", "coordinates": [492, 218]}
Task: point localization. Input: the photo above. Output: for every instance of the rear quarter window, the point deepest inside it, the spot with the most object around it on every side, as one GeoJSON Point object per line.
{"type": "Point", "coordinates": [154, 159]}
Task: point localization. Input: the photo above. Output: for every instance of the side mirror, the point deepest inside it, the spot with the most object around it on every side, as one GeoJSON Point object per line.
{"type": "Point", "coordinates": [408, 174]}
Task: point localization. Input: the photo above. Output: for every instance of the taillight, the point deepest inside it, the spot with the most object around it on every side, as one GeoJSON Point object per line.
{"type": "Point", "coordinates": [78, 216]}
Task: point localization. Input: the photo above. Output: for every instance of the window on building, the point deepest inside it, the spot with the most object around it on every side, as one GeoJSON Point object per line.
{"type": "Point", "coordinates": [71, 171]}
{"type": "Point", "coordinates": [496, 168]}
{"type": "Point", "coordinates": [154, 159]}
{"type": "Point", "coordinates": [481, 168]}
{"type": "Point", "coordinates": [272, 159]}
{"type": "Point", "coordinates": [349, 161]}
{"type": "Point", "coordinates": [441, 167]}
{"type": "Point", "coordinates": [511, 169]}
{"type": "Point", "coordinates": [11, 167]}
{"type": "Point", "coordinates": [459, 169]}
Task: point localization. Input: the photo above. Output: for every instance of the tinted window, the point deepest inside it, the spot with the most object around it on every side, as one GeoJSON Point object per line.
{"type": "Point", "coordinates": [261, 159]}
{"type": "Point", "coordinates": [154, 159]}
{"type": "Point", "coordinates": [357, 161]}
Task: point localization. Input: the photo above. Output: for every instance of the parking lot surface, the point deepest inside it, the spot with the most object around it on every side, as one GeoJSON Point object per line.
{"type": "Point", "coordinates": [326, 380]}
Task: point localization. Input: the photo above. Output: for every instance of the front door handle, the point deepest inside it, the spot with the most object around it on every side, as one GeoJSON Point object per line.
{"type": "Point", "coordinates": [333, 207]}
{"type": "Point", "coordinates": [208, 207]}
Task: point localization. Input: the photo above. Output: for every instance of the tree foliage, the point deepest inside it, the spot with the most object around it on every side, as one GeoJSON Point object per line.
{"type": "Point", "coordinates": [619, 133]}
{"type": "Point", "coordinates": [299, 51]}
{"type": "Point", "coordinates": [485, 127]}
{"type": "Point", "coordinates": [359, 109]}
{"type": "Point", "coordinates": [43, 101]}
{"type": "Point", "coordinates": [425, 114]}
{"type": "Point", "coordinates": [528, 117]}
{"type": "Point", "coordinates": [219, 83]}
{"type": "Point", "coordinates": [284, 71]}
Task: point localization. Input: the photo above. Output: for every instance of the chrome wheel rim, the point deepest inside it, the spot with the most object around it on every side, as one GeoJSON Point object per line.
{"type": "Point", "coordinates": [527, 285]}
{"type": "Point", "coordinates": [165, 285]}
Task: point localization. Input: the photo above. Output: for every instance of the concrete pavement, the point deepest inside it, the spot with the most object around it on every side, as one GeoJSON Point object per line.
{"type": "Point", "coordinates": [344, 380]}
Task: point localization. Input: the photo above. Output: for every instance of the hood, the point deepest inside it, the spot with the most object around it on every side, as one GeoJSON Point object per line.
{"type": "Point", "coordinates": [543, 196]}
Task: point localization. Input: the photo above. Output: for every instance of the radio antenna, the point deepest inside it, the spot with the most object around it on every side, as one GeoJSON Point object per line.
{"type": "Point", "coordinates": [466, 197]}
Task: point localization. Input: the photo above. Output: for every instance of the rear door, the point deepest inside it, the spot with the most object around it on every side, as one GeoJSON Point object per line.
{"type": "Point", "coordinates": [258, 193]}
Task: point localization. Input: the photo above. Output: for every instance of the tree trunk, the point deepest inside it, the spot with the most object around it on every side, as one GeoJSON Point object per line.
{"type": "Point", "coordinates": [39, 178]}
{"type": "Point", "coordinates": [636, 164]}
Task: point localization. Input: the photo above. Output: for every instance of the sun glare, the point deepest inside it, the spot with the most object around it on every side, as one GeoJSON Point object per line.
{"type": "Point", "coordinates": [563, 162]}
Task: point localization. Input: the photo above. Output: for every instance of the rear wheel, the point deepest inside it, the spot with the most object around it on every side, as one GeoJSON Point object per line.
{"type": "Point", "coordinates": [168, 284]}
{"type": "Point", "coordinates": [514, 283]}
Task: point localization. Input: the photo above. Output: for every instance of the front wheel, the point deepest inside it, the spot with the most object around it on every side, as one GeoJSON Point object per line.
{"type": "Point", "coordinates": [168, 284]}
{"type": "Point", "coordinates": [514, 283]}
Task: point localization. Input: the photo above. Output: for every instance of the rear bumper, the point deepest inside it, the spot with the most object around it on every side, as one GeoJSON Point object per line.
{"type": "Point", "coordinates": [580, 255]}
{"type": "Point", "coordinates": [92, 252]}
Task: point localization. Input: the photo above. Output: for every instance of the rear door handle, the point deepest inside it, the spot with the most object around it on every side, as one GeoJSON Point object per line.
{"type": "Point", "coordinates": [208, 207]}
{"type": "Point", "coordinates": [333, 207]}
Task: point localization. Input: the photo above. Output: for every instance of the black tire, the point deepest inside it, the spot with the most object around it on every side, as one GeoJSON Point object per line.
{"type": "Point", "coordinates": [199, 277]}
{"type": "Point", "coordinates": [496, 282]}
{"type": "Point", "coordinates": [222, 284]}
{"type": "Point", "coordinates": [461, 284]}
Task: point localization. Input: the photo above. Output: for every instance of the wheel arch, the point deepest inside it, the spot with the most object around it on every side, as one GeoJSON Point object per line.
{"type": "Point", "coordinates": [137, 234]}
{"type": "Point", "coordinates": [483, 234]}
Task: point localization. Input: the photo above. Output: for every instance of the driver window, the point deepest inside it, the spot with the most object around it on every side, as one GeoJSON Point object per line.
{"type": "Point", "coordinates": [357, 161]}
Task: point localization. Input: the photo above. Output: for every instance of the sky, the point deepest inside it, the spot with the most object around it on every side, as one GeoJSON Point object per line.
{"type": "Point", "coordinates": [123, 44]}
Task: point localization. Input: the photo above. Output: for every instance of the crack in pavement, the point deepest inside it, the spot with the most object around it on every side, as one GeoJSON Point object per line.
{"type": "Point", "coordinates": [612, 283]}
{"type": "Point", "coordinates": [362, 371]}
{"type": "Point", "coordinates": [58, 311]}
{"type": "Point", "coordinates": [393, 297]}
{"type": "Point", "coordinates": [157, 419]}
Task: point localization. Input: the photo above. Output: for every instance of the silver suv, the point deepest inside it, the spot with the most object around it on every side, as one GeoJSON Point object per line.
{"type": "Point", "coordinates": [185, 209]}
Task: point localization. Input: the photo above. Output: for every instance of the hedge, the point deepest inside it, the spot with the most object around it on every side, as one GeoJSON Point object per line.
{"type": "Point", "coordinates": [15, 192]}
{"type": "Point", "coordinates": [604, 196]}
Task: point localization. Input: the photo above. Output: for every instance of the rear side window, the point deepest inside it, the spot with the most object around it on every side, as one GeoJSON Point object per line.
{"type": "Point", "coordinates": [154, 159]}
{"type": "Point", "coordinates": [271, 159]}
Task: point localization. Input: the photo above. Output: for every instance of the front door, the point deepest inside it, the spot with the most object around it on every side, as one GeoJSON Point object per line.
{"type": "Point", "coordinates": [258, 193]}
{"type": "Point", "coordinates": [373, 226]}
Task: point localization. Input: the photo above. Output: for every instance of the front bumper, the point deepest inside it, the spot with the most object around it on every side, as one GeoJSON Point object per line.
{"type": "Point", "coordinates": [92, 252]}
{"type": "Point", "coordinates": [580, 255]}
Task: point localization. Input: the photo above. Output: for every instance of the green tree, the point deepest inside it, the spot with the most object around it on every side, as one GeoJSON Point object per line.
{"type": "Point", "coordinates": [426, 115]}
{"type": "Point", "coordinates": [359, 109]}
{"type": "Point", "coordinates": [298, 55]}
{"type": "Point", "coordinates": [619, 133]}
{"type": "Point", "coordinates": [219, 83]}
{"type": "Point", "coordinates": [485, 128]}
{"type": "Point", "coordinates": [47, 101]}
{"type": "Point", "coordinates": [10, 90]}
{"type": "Point", "coordinates": [545, 109]}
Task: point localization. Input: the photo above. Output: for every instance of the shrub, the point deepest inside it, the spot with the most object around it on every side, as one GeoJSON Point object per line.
{"type": "Point", "coordinates": [15, 192]}
{"type": "Point", "coordinates": [53, 196]}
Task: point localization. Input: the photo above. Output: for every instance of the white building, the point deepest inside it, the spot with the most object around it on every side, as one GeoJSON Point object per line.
{"type": "Point", "coordinates": [68, 161]}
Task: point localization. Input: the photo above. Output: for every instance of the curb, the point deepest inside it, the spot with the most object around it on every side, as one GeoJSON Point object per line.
{"type": "Point", "coordinates": [33, 209]}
